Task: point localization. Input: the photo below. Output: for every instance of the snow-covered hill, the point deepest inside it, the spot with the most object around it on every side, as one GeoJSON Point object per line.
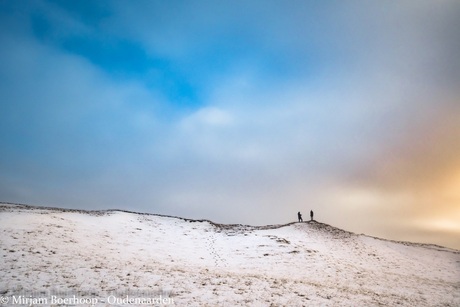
{"type": "Point", "coordinates": [108, 255]}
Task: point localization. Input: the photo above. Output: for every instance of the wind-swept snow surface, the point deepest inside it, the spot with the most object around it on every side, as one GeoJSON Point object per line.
{"type": "Point", "coordinates": [199, 263]}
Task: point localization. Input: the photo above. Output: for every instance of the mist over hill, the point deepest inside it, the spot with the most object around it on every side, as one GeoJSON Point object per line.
{"type": "Point", "coordinates": [107, 258]}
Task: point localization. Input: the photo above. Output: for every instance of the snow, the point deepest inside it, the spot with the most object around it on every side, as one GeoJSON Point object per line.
{"type": "Point", "coordinates": [200, 263]}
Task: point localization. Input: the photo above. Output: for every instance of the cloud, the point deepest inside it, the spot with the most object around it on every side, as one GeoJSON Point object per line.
{"type": "Point", "coordinates": [210, 117]}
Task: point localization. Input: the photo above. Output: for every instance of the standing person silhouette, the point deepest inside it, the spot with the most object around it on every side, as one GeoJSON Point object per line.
{"type": "Point", "coordinates": [299, 216]}
{"type": "Point", "coordinates": [311, 215]}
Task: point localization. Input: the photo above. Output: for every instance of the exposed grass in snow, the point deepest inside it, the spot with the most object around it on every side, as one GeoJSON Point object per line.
{"type": "Point", "coordinates": [201, 263]}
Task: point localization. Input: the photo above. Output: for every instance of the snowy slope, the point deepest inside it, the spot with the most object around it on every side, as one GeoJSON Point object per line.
{"type": "Point", "coordinates": [199, 263]}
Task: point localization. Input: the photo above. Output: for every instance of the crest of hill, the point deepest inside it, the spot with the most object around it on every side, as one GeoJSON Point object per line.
{"type": "Point", "coordinates": [231, 229]}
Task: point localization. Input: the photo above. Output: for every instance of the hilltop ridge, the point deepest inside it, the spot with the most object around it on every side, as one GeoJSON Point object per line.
{"type": "Point", "coordinates": [319, 225]}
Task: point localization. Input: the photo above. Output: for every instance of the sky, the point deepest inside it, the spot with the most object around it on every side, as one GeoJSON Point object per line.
{"type": "Point", "coordinates": [237, 111]}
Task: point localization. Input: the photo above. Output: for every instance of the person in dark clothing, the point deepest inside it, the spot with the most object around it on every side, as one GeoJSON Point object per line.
{"type": "Point", "coordinates": [299, 216]}
{"type": "Point", "coordinates": [311, 215]}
